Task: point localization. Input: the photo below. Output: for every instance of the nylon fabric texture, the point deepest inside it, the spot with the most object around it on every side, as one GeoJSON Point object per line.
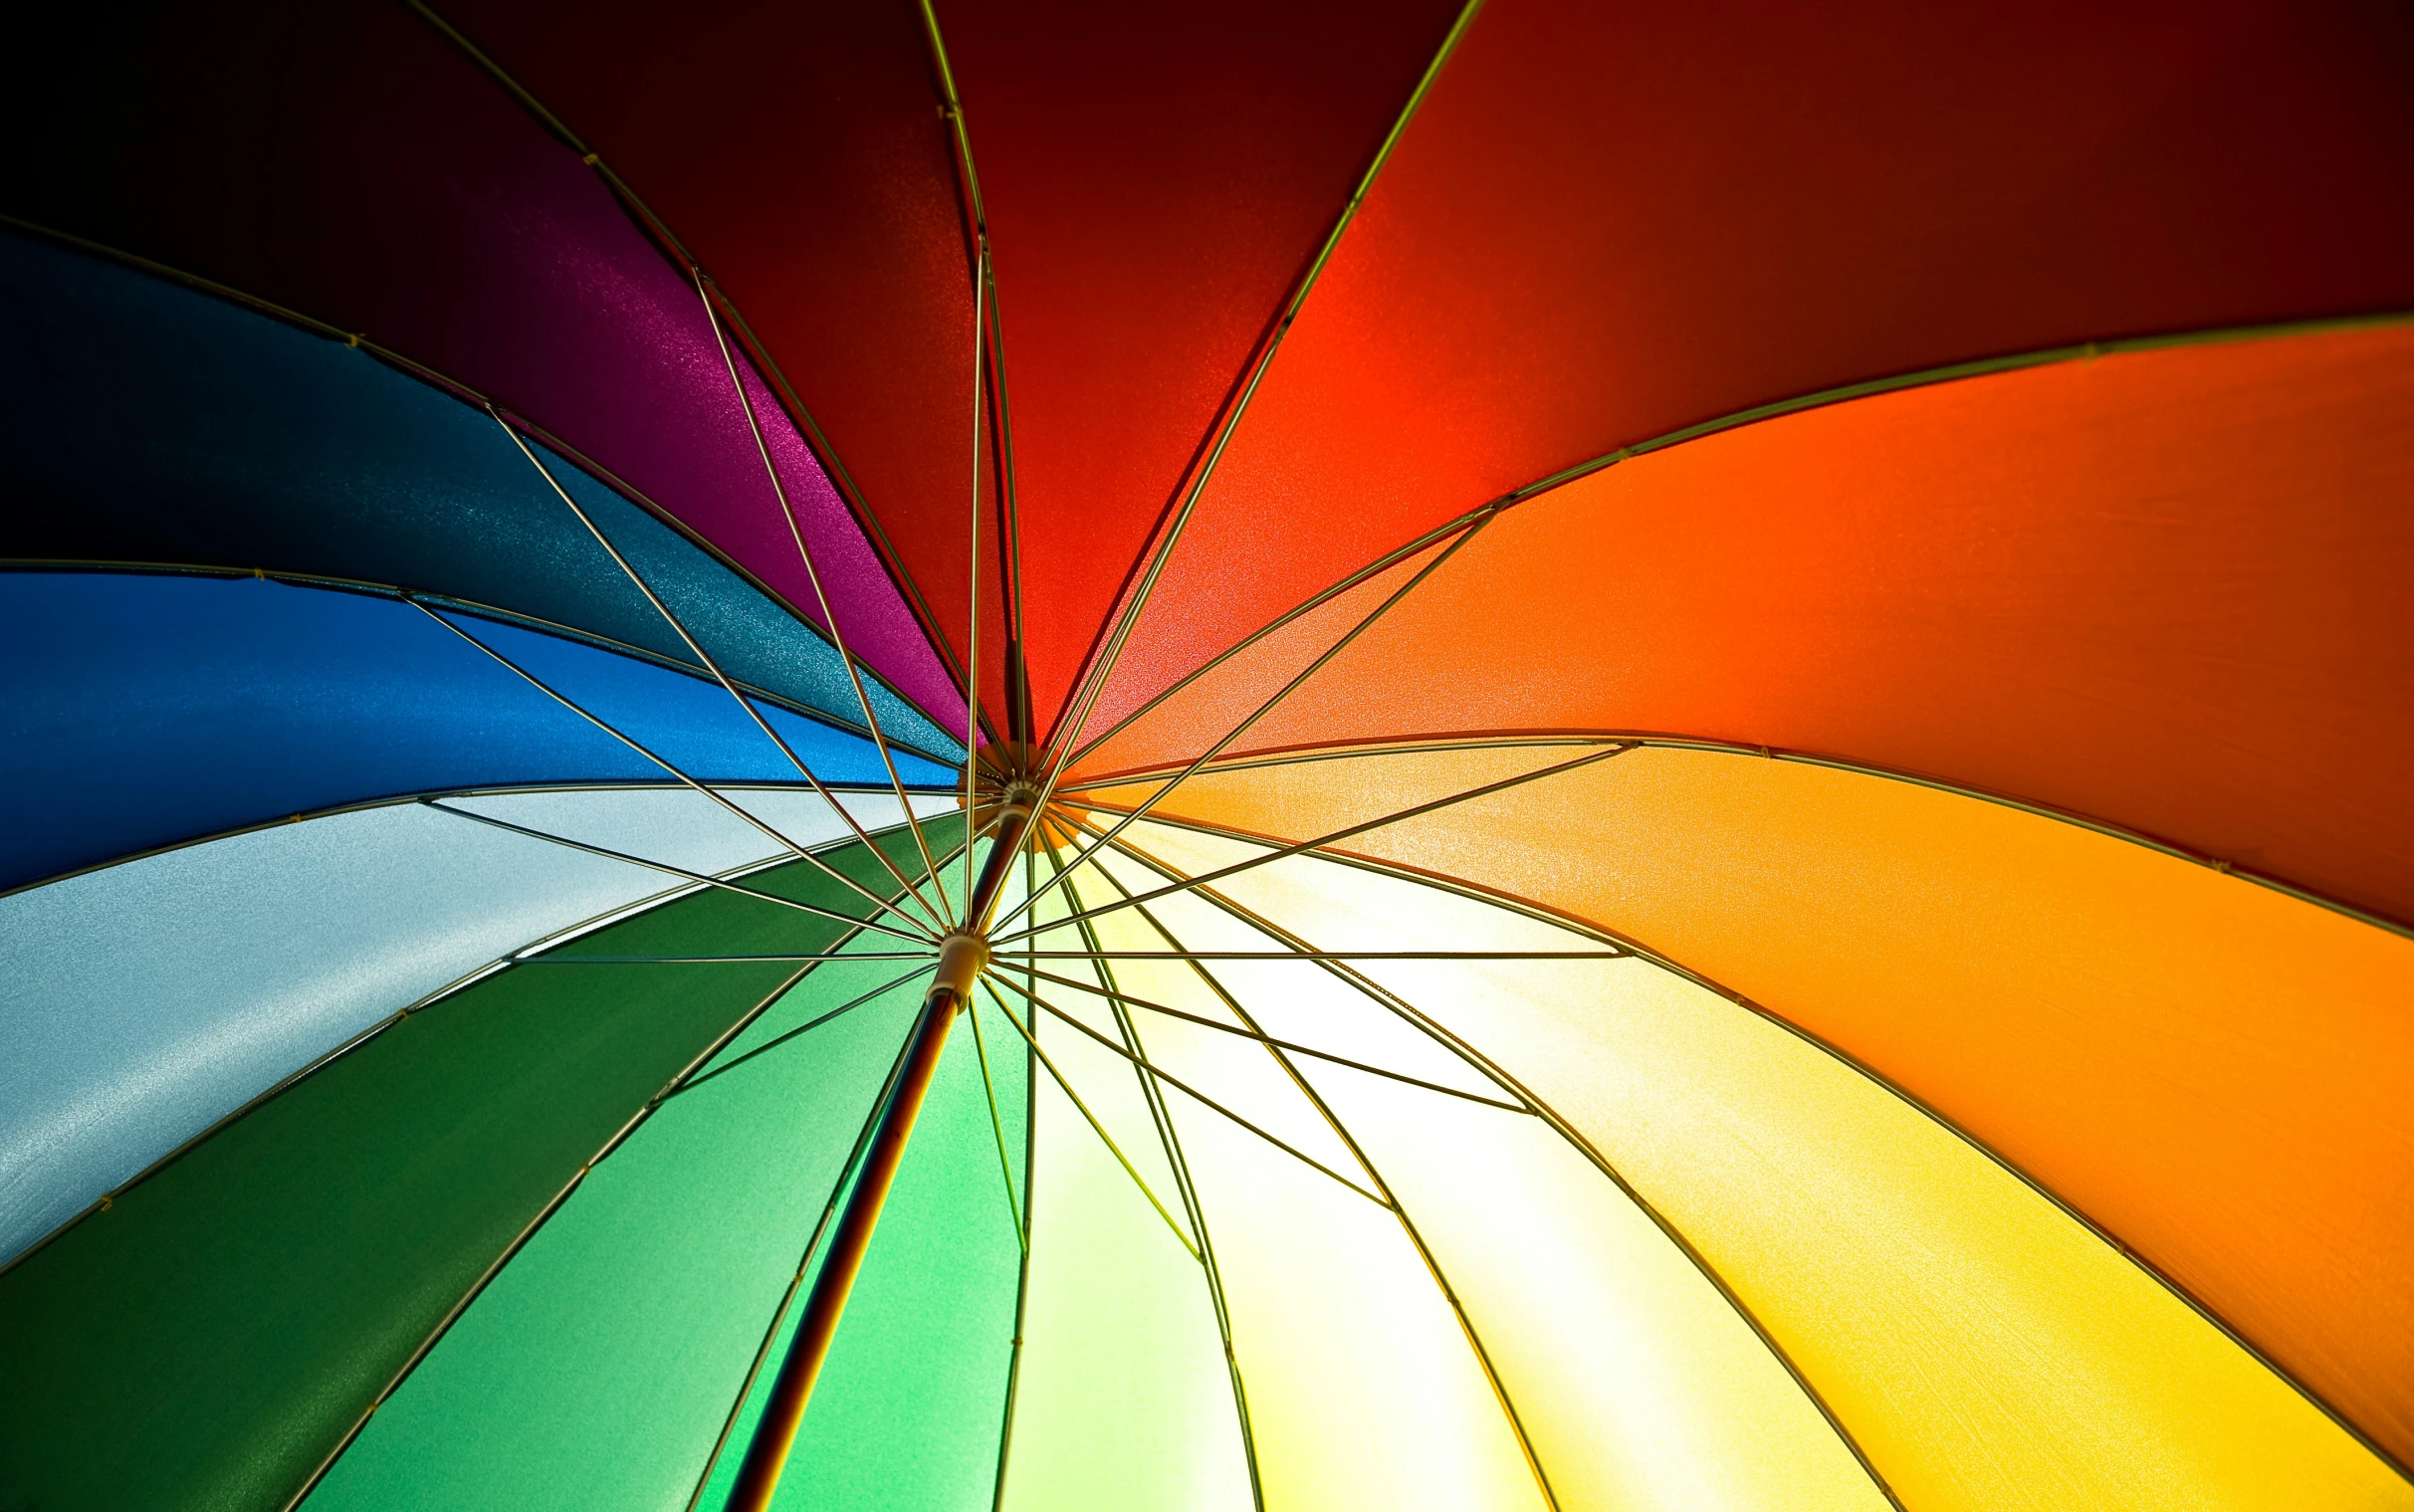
{"type": "Point", "coordinates": [984, 757]}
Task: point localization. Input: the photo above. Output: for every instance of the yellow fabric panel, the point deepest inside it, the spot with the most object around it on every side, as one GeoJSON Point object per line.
{"type": "Point", "coordinates": [2212, 1071]}
{"type": "Point", "coordinates": [1982, 1346]}
{"type": "Point", "coordinates": [1641, 1387]}
{"type": "Point", "coordinates": [1231, 1070]}
{"type": "Point", "coordinates": [1362, 1390]}
{"type": "Point", "coordinates": [1123, 1398]}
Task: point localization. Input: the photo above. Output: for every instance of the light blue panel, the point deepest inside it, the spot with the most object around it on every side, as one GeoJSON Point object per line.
{"type": "Point", "coordinates": [682, 827]}
{"type": "Point", "coordinates": [144, 1002]}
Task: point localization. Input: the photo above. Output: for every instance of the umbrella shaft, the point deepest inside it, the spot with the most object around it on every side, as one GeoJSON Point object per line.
{"type": "Point", "coordinates": [767, 1453]}
{"type": "Point", "coordinates": [784, 1413]}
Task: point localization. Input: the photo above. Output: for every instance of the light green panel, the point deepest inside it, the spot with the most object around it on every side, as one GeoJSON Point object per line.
{"type": "Point", "coordinates": [1123, 1398]}
{"type": "Point", "coordinates": [597, 1369]}
{"type": "Point", "coordinates": [908, 1411]}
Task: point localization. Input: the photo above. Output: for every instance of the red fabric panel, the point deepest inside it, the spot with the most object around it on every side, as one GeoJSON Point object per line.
{"type": "Point", "coordinates": [1156, 179]}
{"type": "Point", "coordinates": [1612, 221]}
{"type": "Point", "coordinates": [2166, 589]}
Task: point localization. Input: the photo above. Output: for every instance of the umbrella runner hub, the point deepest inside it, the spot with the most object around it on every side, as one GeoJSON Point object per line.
{"type": "Point", "coordinates": [961, 956]}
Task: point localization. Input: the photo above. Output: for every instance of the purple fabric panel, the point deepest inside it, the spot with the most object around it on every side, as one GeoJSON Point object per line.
{"type": "Point", "coordinates": [350, 164]}
{"type": "Point", "coordinates": [875, 621]}
{"type": "Point", "coordinates": [607, 347]}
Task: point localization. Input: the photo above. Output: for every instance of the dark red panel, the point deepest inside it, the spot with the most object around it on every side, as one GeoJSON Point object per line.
{"type": "Point", "coordinates": [1611, 221]}
{"type": "Point", "coordinates": [799, 152]}
{"type": "Point", "coordinates": [1155, 179]}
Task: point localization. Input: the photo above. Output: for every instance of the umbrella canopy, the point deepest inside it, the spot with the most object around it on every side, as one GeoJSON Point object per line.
{"type": "Point", "coordinates": [1534, 755]}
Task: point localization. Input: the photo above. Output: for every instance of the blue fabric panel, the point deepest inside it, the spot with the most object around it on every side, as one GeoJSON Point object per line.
{"type": "Point", "coordinates": [139, 710]}
{"type": "Point", "coordinates": [691, 722]}
{"type": "Point", "coordinates": [144, 422]}
{"type": "Point", "coordinates": [144, 1002]}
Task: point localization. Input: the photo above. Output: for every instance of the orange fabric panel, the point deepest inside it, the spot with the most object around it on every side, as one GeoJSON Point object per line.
{"type": "Point", "coordinates": [1612, 221]}
{"type": "Point", "coordinates": [2167, 591]}
{"type": "Point", "coordinates": [2212, 1070]}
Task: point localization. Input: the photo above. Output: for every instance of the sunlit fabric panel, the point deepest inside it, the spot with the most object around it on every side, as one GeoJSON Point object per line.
{"type": "Point", "coordinates": [1360, 1384]}
{"type": "Point", "coordinates": [150, 708]}
{"type": "Point", "coordinates": [2206, 1067]}
{"type": "Point", "coordinates": [1635, 1380]}
{"type": "Point", "coordinates": [1980, 1344]}
{"type": "Point", "coordinates": [346, 1217]}
{"type": "Point", "coordinates": [1122, 1396]}
{"type": "Point", "coordinates": [147, 422]}
{"type": "Point", "coordinates": [1362, 1390]}
{"type": "Point", "coordinates": [2159, 589]}
{"type": "Point", "coordinates": [647, 1294]}
{"type": "Point", "coordinates": [330, 155]}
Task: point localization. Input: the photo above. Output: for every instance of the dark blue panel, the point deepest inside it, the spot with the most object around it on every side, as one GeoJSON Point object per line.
{"type": "Point", "coordinates": [137, 711]}
{"type": "Point", "coordinates": [144, 422]}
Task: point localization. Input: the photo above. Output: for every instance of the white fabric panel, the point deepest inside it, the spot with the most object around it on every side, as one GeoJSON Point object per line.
{"type": "Point", "coordinates": [145, 1001]}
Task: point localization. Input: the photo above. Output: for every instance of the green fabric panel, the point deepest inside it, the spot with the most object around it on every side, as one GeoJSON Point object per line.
{"type": "Point", "coordinates": [1123, 1398]}
{"type": "Point", "coordinates": [597, 1369]}
{"type": "Point", "coordinates": [910, 1403]}
{"type": "Point", "coordinates": [206, 1341]}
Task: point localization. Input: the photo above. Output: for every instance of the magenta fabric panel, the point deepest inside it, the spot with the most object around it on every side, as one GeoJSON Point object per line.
{"type": "Point", "coordinates": [875, 621]}
{"type": "Point", "coordinates": [351, 163]}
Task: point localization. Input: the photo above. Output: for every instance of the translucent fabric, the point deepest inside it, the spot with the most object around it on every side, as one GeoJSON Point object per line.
{"type": "Point", "coordinates": [2208, 1068]}
{"type": "Point", "coordinates": [1982, 1346]}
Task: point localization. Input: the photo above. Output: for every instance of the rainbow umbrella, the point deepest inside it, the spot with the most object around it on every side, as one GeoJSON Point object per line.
{"type": "Point", "coordinates": [1284, 755]}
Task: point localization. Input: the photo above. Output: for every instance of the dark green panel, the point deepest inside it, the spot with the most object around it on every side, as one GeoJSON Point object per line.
{"type": "Point", "coordinates": [210, 1338]}
{"type": "Point", "coordinates": [597, 1369]}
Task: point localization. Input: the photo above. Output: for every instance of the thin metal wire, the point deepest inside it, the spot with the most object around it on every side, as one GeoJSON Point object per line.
{"type": "Point", "coordinates": [1095, 680]}
{"type": "Point", "coordinates": [972, 650]}
{"type": "Point", "coordinates": [777, 1040]}
{"type": "Point", "coordinates": [1179, 1084]}
{"type": "Point", "coordinates": [1095, 1126]}
{"type": "Point", "coordinates": [1252, 761]}
{"type": "Point", "coordinates": [711, 664]}
{"type": "Point", "coordinates": [1194, 1205]}
{"type": "Point", "coordinates": [1374, 568]}
{"type": "Point", "coordinates": [736, 811]}
{"type": "Point", "coordinates": [1022, 1271]}
{"type": "Point", "coordinates": [812, 575]}
{"type": "Point", "coordinates": [1005, 1166]}
{"type": "Point", "coordinates": [669, 870]}
{"type": "Point", "coordinates": [1390, 1199]}
{"type": "Point", "coordinates": [1279, 853]}
{"type": "Point", "coordinates": [1116, 996]}
{"type": "Point", "coordinates": [1285, 691]}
